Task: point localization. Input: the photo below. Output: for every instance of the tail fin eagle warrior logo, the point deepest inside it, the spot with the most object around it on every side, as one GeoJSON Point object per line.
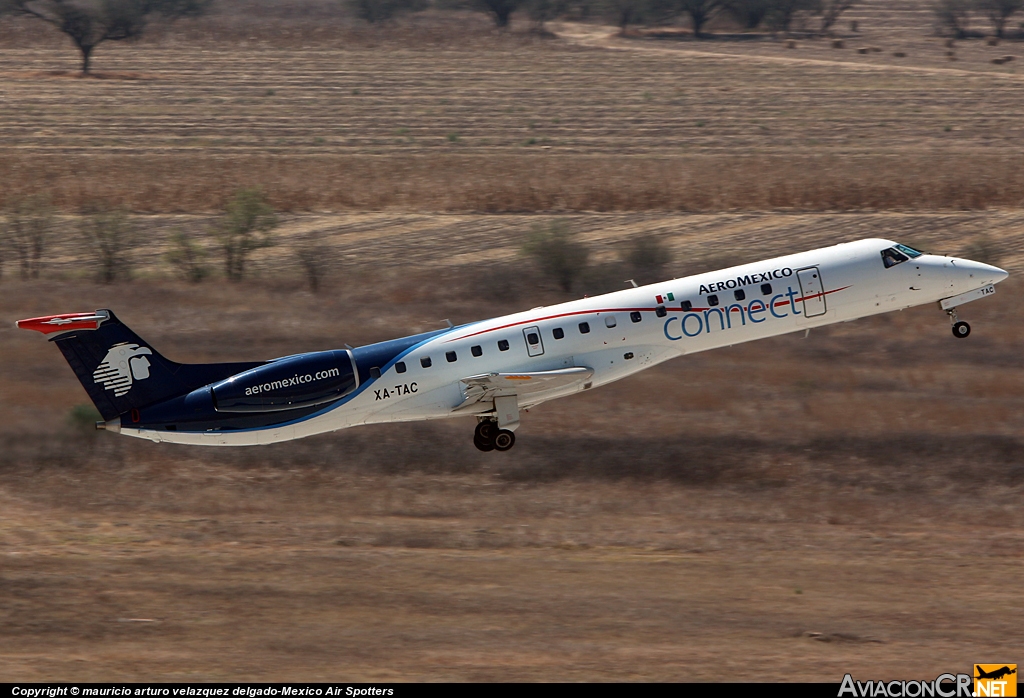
{"type": "Point", "coordinates": [995, 680]}
{"type": "Point", "coordinates": [123, 364]}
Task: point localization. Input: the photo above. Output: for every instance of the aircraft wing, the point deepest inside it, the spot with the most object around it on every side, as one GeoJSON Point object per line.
{"type": "Point", "coordinates": [486, 386]}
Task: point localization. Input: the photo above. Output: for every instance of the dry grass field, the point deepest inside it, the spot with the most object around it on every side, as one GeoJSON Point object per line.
{"type": "Point", "coordinates": [416, 121]}
{"type": "Point", "coordinates": [791, 509]}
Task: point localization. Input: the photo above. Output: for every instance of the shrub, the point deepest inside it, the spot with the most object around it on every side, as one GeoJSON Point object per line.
{"type": "Point", "coordinates": [314, 258]}
{"type": "Point", "coordinates": [83, 418]}
{"type": "Point", "coordinates": [557, 254]}
{"type": "Point", "coordinates": [647, 259]}
{"type": "Point", "coordinates": [374, 11]}
{"type": "Point", "coordinates": [110, 235]}
{"type": "Point", "coordinates": [26, 232]}
{"type": "Point", "coordinates": [188, 257]}
{"type": "Point", "coordinates": [245, 226]}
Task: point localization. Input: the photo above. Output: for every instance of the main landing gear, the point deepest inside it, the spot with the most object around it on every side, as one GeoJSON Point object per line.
{"type": "Point", "coordinates": [488, 437]}
{"type": "Point", "coordinates": [960, 328]}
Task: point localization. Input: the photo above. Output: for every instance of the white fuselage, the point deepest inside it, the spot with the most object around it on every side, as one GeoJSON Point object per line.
{"type": "Point", "coordinates": [631, 330]}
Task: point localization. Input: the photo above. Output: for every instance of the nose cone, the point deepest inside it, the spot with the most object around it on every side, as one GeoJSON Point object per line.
{"type": "Point", "coordinates": [980, 272]}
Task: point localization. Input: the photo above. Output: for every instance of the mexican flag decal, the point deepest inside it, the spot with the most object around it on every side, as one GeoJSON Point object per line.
{"type": "Point", "coordinates": [666, 298]}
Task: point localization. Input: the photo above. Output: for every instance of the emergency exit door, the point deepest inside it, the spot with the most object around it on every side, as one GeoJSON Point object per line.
{"type": "Point", "coordinates": [534, 343]}
{"type": "Point", "coordinates": [812, 290]}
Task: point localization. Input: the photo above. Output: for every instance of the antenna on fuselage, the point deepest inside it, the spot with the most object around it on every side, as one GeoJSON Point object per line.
{"type": "Point", "coordinates": [450, 325]}
{"type": "Point", "coordinates": [631, 281]}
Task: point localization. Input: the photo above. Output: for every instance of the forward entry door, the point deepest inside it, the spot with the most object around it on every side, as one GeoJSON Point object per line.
{"type": "Point", "coordinates": [813, 291]}
{"type": "Point", "coordinates": [534, 343]}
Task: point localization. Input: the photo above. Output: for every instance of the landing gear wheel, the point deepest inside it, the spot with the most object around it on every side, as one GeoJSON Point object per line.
{"type": "Point", "coordinates": [961, 329]}
{"type": "Point", "coordinates": [483, 437]}
{"type": "Point", "coordinates": [486, 430]}
{"type": "Point", "coordinates": [504, 440]}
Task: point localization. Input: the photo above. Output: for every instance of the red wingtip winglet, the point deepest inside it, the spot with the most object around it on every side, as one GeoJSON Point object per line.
{"type": "Point", "coordinates": [63, 323]}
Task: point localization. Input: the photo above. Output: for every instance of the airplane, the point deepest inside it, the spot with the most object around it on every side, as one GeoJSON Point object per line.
{"type": "Point", "coordinates": [494, 369]}
{"type": "Point", "coordinates": [994, 674]}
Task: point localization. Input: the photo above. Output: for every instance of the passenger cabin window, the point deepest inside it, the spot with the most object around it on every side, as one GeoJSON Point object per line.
{"type": "Point", "coordinates": [609, 321]}
{"type": "Point", "coordinates": [502, 345]}
{"type": "Point", "coordinates": [891, 257]}
{"type": "Point", "coordinates": [739, 294]}
{"type": "Point", "coordinates": [660, 311]}
{"type": "Point", "coordinates": [425, 362]}
{"type": "Point", "coordinates": [558, 333]}
{"type": "Point", "coordinates": [712, 300]}
{"type": "Point", "coordinates": [477, 350]}
{"type": "Point", "coordinates": [686, 306]}
{"type": "Point", "coordinates": [400, 367]}
{"type": "Point", "coordinates": [635, 316]}
{"type": "Point", "coordinates": [375, 372]}
{"type": "Point", "coordinates": [532, 338]}
{"type": "Point", "coordinates": [451, 356]}
{"type": "Point", "coordinates": [584, 327]}
{"type": "Point", "coordinates": [766, 289]}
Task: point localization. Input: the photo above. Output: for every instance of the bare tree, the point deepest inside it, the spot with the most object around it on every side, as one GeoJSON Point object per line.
{"type": "Point", "coordinates": [626, 12]}
{"type": "Point", "coordinates": [89, 23]}
{"type": "Point", "coordinates": [374, 11]}
{"type": "Point", "coordinates": [953, 16]}
{"type": "Point", "coordinates": [781, 13]}
{"type": "Point", "coordinates": [700, 12]}
{"type": "Point", "coordinates": [110, 235]}
{"type": "Point", "coordinates": [541, 11]}
{"type": "Point", "coordinates": [999, 11]}
{"type": "Point", "coordinates": [27, 232]}
{"type": "Point", "coordinates": [246, 225]}
{"type": "Point", "coordinates": [831, 10]}
{"type": "Point", "coordinates": [748, 13]}
{"type": "Point", "coordinates": [500, 10]}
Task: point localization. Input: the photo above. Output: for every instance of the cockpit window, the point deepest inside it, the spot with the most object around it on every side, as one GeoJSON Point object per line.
{"type": "Point", "coordinates": [891, 257]}
{"type": "Point", "coordinates": [909, 251]}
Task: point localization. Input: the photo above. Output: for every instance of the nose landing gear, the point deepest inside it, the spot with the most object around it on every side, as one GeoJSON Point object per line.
{"type": "Point", "coordinates": [960, 328]}
{"type": "Point", "coordinates": [488, 437]}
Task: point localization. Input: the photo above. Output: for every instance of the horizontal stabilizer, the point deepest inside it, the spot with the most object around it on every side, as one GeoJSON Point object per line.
{"type": "Point", "coordinates": [63, 323]}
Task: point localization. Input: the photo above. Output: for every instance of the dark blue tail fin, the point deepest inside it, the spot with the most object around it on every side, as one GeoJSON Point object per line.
{"type": "Point", "coordinates": [118, 369]}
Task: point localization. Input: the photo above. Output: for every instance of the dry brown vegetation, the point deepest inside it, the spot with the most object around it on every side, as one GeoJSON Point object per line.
{"type": "Point", "coordinates": [504, 183]}
{"type": "Point", "coordinates": [790, 509]}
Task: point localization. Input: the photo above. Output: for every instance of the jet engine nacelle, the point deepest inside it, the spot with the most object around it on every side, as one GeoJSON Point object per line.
{"type": "Point", "coordinates": [305, 380]}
